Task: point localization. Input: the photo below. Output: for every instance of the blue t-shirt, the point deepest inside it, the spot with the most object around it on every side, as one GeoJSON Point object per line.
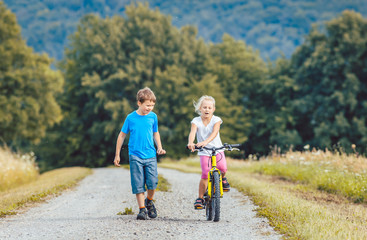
{"type": "Point", "coordinates": [141, 128]}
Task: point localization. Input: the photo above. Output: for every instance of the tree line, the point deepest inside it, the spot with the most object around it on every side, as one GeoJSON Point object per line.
{"type": "Point", "coordinates": [72, 116]}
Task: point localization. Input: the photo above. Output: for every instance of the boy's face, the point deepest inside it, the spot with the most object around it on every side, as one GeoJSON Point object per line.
{"type": "Point", "coordinates": [145, 107]}
{"type": "Point", "coordinates": [207, 108]}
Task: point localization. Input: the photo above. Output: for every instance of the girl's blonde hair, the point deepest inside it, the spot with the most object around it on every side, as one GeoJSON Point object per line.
{"type": "Point", "coordinates": [197, 104]}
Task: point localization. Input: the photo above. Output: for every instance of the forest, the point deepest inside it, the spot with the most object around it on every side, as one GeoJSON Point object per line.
{"type": "Point", "coordinates": [72, 115]}
{"type": "Point", "coordinates": [275, 28]}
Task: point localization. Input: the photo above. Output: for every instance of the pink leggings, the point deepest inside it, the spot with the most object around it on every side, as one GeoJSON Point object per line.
{"type": "Point", "coordinates": [206, 164]}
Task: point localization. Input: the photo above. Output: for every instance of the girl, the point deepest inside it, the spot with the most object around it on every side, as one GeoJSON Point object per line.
{"type": "Point", "coordinates": [206, 128]}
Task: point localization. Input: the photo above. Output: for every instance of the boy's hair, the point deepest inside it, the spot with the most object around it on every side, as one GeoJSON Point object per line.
{"type": "Point", "coordinates": [197, 105]}
{"type": "Point", "coordinates": [145, 94]}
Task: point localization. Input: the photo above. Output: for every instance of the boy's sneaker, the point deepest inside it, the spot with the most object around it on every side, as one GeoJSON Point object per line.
{"type": "Point", "coordinates": [142, 214]}
{"type": "Point", "coordinates": [152, 212]}
{"type": "Point", "coordinates": [226, 186]}
{"type": "Point", "coordinates": [199, 204]}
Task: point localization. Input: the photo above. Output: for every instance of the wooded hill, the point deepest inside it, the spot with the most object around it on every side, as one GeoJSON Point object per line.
{"type": "Point", "coordinates": [272, 27]}
{"type": "Point", "coordinates": [72, 116]}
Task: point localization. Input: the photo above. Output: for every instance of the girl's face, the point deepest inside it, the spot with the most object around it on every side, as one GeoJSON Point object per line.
{"type": "Point", "coordinates": [145, 107]}
{"type": "Point", "coordinates": [207, 108]}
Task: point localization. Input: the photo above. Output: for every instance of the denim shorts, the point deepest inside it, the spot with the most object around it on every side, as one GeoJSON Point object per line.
{"type": "Point", "coordinates": [143, 172]}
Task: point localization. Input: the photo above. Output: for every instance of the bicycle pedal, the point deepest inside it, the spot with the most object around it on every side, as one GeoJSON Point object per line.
{"type": "Point", "coordinates": [199, 208]}
{"type": "Point", "coordinates": [226, 190]}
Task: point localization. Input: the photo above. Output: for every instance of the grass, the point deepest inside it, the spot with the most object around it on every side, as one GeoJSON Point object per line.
{"type": "Point", "coordinates": [341, 174]}
{"type": "Point", "coordinates": [16, 169]}
{"type": "Point", "coordinates": [309, 195]}
{"type": "Point", "coordinates": [49, 183]}
{"type": "Point", "coordinates": [128, 211]}
{"type": "Point", "coordinates": [163, 184]}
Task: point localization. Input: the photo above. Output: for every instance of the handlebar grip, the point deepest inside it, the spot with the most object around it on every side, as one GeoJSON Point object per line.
{"type": "Point", "coordinates": [236, 145]}
{"type": "Point", "coordinates": [196, 147]}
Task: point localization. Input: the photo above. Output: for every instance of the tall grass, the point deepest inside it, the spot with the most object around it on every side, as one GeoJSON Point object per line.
{"type": "Point", "coordinates": [16, 169]}
{"type": "Point", "coordinates": [337, 173]}
{"type": "Point", "coordinates": [49, 183]}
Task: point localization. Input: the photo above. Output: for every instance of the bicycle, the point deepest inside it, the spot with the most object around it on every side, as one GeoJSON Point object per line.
{"type": "Point", "coordinates": [212, 195]}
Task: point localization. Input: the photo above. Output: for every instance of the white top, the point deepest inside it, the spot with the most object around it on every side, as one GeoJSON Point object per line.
{"type": "Point", "coordinates": [203, 132]}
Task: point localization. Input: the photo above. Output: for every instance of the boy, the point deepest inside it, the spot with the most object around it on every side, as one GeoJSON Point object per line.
{"type": "Point", "coordinates": [143, 127]}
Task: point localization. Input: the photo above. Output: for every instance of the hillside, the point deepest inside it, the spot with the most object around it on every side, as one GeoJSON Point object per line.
{"type": "Point", "coordinates": [272, 27]}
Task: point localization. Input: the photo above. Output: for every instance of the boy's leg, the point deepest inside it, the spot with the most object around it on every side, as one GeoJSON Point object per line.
{"type": "Point", "coordinates": [151, 176]}
{"type": "Point", "coordinates": [142, 215]}
{"type": "Point", "coordinates": [140, 199]}
{"type": "Point", "coordinates": [137, 174]}
{"type": "Point", "coordinates": [138, 184]}
{"type": "Point", "coordinates": [150, 194]}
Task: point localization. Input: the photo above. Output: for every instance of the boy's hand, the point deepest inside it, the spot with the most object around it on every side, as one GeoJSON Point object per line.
{"type": "Point", "coordinates": [161, 151]}
{"type": "Point", "coordinates": [117, 162]}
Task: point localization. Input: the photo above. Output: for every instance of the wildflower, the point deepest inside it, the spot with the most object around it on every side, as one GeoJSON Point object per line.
{"type": "Point", "coordinates": [306, 147]}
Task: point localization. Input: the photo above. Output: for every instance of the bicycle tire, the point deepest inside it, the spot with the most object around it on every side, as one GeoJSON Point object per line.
{"type": "Point", "coordinates": [209, 211]}
{"type": "Point", "coordinates": [216, 197]}
{"type": "Point", "coordinates": [208, 205]}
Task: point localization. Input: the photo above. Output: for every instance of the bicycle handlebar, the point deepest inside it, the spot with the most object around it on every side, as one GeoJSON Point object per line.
{"type": "Point", "coordinates": [225, 146]}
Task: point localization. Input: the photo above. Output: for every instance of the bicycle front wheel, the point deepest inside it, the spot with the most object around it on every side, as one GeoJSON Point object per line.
{"type": "Point", "coordinates": [216, 197]}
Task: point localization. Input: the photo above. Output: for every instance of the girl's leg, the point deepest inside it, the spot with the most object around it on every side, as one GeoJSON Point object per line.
{"type": "Point", "coordinates": [222, 163]}
{"type": "Point", "coordinates": [222, 166]}
{"type": "Point", "coordinates": [205, 167]}
{"type": "Point", "coordinates": [202, 187]}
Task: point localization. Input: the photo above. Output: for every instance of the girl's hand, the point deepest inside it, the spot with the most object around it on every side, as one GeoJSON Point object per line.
{"type": "Point", "coordinates": [191, 146]}
{"type": "Point", "coordinates": [161, 151]}
{"type": "Point", "coordinates": [202, 144]}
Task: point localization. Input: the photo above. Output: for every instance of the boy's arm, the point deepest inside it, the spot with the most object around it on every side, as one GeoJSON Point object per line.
{"type": "Point", "coordinates": [211, 137]}
{"type": "Point", "coordinates": [192, 135]}
{"type": "Point", "coordinates": [157, 138]}
{"type": "Point", "coordinates": [120, 141]}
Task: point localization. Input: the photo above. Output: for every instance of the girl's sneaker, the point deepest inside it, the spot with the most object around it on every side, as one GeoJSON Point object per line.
{"type": "Point", "coordinates": [226, 186]}
{"type": "Point", "coordinates": [199, 204]}
{"type": "Point", "coordinates": [152, 212]}
{"type": "Point", "coordinates": [142, 214]}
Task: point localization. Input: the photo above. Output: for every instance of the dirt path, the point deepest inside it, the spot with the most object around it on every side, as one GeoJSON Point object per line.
{"type": "Point", "coordinates": [90, 212]}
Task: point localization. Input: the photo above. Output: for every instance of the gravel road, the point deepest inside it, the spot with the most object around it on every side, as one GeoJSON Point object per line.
{"type": "Point", "coordinates": [89, 211]}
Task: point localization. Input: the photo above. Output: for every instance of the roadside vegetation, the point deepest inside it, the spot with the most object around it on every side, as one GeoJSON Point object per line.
{"type": "Point", "coordinates": [305, 195]}
{"type": "Point", "coordinates": [48, 183]}
{"type": "Point", "coordinates": [16, 169]}
{"type": "Point", "coordinates": [21, 183]}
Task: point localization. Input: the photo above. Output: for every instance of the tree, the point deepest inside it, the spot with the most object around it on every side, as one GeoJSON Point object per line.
{"type": "Point", "coordinates": [107, 62]}
{"type": "Point", "coordinates": [28, 87]}
{"type": "Point", "coordinates": [331, 71]}
{"type": "Point", "coordinates": [241, 73]}
{"type": "Point", "coordinates": [276, 126]}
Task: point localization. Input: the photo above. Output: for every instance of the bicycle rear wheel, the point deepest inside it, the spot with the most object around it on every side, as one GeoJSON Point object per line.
{"type": "Point", "coordinates": [216, 197]}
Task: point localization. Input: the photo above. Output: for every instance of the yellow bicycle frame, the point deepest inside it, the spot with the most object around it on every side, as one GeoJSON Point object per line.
{"type": "Point", "coordinates": [210, 174]}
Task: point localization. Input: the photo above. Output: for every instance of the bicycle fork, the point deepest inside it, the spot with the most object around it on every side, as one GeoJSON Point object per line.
{"type": "Point", "coordinates": [211, 178]}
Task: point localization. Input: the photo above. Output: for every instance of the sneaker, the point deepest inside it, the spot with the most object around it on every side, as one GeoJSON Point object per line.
{"type": "Point", "coordinates": [199, 204]}
{"type": "Point", "coordinates": [142, 214]}
{"type": "Point", "coordinates": [152, 212]}
{"type": "Point", "coordinates": [226, 186]}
